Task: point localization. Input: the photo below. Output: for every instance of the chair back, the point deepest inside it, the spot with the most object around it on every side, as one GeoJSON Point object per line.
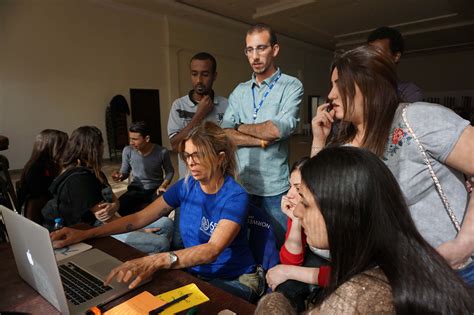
{"type": "Point", "coordinates": [32, 208]}
{"type": "Point", "coordinates": [262, 238]}
{"type": "Point", "coordinates": [7, 190]}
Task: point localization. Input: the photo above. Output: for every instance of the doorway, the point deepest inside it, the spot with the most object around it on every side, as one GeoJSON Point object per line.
{"type": "Point", "coordinates": [145, 104]}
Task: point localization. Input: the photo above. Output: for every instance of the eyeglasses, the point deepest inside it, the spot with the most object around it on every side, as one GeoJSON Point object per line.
{"type": "Point", "coordinates": [195, 156]}
{"type": "Point", "coordinates": [259, 49]}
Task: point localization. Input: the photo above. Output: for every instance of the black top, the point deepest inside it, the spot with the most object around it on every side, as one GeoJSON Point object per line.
{"type": "Point", "coordinates": [75, 192]}
{"type": "Point", "coordinates": [36, 182]}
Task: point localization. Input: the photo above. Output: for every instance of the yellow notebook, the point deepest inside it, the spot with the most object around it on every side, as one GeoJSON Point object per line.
{"type": "Point", "coordinates": [140, 304]}
{"type": "Point", "coordinates": [144, 302]}
{"type": "Point", "coordinates": [196, 297]}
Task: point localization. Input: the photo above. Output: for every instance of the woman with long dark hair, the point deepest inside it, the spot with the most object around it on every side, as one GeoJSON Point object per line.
{"type": "Point", "coordinates": [40, 170]}
{"type": "Point", "coordinates": [352, 205]}
{"type": "Point", "coordinates": [407, 137]}
{"type": "Point", "coordinates": [302, 269]}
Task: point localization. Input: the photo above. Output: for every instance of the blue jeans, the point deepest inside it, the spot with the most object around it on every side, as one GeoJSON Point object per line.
{"type": "Point", "coordinates": [467, 273]}
{"type": "Point", "coordinates": [236, 288]}
{"type": "Point", "coordinates": [278, 220]}
{"type": "Point", "coordinates": [150, 243]}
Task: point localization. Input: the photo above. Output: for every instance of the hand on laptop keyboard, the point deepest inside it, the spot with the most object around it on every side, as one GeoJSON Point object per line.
{"type": "Point", "coordinates": [67, 236]}
{"type": "Point", "coordinates": [138, 269]}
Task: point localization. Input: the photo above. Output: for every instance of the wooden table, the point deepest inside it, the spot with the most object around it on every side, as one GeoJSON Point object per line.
{"type": "Point", "coordinates": [17, 296]}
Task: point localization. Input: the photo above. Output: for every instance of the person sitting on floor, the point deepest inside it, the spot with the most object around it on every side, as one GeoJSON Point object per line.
{"type": "Point", "coordinates": [300, 270]}
{"type": "Point", "coordinates": [213, 222]}
{"type": "Point", "coordinates": [81, 193]}
{"type": "Point", "coordinates": [40, 171]}
{"type": "Point", "coordinates": [145, 161]}
{"type": "Point", "coordinates": [352, 205]}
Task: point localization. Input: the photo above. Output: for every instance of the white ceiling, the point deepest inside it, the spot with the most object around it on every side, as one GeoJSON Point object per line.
{"type": "Point", "coordinates": [427, 25]}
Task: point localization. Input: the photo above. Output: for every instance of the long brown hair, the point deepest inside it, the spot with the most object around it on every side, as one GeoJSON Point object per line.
{"type": "Point", "coordinates": [369, 224]}
{"type": "Point", "coordinates": [211, 140]}
{"type": "Point", "coordinates": [375, 75]}
{"type": "Point", "coordinates": [85, 148]}
{"type": "Point", "coordinates": [47, 149]}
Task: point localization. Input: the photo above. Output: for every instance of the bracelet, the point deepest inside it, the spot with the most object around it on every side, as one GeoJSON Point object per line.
{"type": "Point", "coordinates": [316, 148]}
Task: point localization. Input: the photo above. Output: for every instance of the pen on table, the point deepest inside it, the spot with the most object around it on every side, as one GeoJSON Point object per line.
{"type": "Point", "coordinates": [160, 309]}
{"type": "Point", "coordinates": [95, 310]}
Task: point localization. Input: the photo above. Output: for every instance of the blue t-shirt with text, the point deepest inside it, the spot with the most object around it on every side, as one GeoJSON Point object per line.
{"type": "Point", "coordinates": [199, 216]}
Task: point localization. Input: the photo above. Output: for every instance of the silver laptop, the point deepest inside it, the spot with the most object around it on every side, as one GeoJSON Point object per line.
{"type": "Point", "coordinates": [71, 292]}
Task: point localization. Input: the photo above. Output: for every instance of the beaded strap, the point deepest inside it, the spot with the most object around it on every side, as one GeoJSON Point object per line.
{"type": "Point", "coordinates": [441, 193]}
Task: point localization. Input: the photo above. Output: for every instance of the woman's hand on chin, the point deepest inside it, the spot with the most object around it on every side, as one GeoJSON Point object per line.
{"type": "Point", "coordinates": [287, 206]}
{"type": "Point", "coordinates": [321, 124]}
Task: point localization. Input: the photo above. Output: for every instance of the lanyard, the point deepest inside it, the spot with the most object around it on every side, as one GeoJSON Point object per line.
{"type": "Point", "coordinates": [270, 87]}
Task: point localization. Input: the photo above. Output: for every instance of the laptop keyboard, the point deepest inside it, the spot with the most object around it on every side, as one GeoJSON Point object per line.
{"type": "Point", "coordinates": [79, 285]}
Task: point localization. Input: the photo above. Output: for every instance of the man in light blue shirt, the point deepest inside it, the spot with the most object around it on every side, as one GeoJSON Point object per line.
{"type": "Point", "coordinates": [262, 114]}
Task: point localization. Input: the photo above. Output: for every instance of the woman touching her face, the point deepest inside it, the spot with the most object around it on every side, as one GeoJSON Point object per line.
{"type": "Point", "coordinates": [303, 269]}
{"type": "Point", "coordinates": [370, 115]}
{"type": "Point", "coordinates": [352, 205]}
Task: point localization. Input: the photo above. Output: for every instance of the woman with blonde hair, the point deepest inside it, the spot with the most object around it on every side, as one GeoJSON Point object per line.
{"type": "Point", "coordinates": [213, 220]}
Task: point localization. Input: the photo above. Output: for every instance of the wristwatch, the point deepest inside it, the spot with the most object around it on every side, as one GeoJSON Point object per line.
{"type": "Point", "coordinates": [173, 258]}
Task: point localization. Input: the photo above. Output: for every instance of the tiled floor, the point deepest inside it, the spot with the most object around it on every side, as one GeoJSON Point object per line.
{"type": "Point", "coordinates": [299, 147]}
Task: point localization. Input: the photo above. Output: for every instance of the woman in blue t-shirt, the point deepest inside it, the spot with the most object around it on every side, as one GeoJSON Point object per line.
{"type": "Point", "coordinates": [212, 220]}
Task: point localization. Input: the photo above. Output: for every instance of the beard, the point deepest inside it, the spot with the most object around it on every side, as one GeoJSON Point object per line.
{"type": "Point", "coordinates": [201, 89]}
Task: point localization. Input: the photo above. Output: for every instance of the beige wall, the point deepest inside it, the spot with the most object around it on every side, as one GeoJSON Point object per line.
{"type": "Point", "coordinates": [226, 42]}
{"type": "Point", "coordinates": [440, 71]}
{"type": "Point", "coordinates": [443, 76]}
{"type": "Point", "coordinates": [62, 61]}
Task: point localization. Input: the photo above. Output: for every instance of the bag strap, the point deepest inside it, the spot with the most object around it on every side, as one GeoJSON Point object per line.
{"type": "Point", "coordinates": [437, 184]}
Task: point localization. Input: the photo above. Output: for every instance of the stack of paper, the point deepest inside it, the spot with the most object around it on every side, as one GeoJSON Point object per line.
{"type": "Point", "coordinates": [145, 302]}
